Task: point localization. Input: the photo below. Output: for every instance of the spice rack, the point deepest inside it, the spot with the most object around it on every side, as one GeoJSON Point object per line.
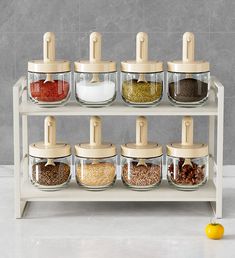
{"type": "Point", "coordinates": [211, 193]}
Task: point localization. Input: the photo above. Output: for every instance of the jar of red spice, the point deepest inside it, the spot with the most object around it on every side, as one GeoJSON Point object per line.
{"type": "Point", "coordinates": [49, 80]}
{"type": "Point", "coordinates": [187, 162]}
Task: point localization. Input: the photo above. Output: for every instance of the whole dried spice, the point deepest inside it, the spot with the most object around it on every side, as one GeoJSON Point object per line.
{"type": "Point", "coordinates": [50, 175]}
{"type": "Point", "coordinates": [96, 174]}
{"type": "Point", "coordinates": [141, 175]}
{"type": "Point", "coordinates": [49, 91]}
{"type": "Point", "coordinates": [188, 90]}
{"type": "Point", "coordinates": [141, 92]}
{"type": "Point", "coordinates": [187, 174]}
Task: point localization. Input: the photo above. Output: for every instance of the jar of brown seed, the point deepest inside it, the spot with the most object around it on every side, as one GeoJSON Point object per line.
{"type": "Point", "coordinates": [50, 174]}
{"type": "Point", "coordinates": [141, 174]}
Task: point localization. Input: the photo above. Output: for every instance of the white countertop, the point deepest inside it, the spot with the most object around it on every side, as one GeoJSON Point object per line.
{"type": "Point", "coordinates": [96, 230]}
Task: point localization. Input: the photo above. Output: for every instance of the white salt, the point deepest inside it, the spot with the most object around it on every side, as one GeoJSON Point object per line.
{"type": "Point", "coordinates": [95, 91]}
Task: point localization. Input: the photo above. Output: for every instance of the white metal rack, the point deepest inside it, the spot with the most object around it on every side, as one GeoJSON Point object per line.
{"type": "Point", "coordinates": [211, 192]}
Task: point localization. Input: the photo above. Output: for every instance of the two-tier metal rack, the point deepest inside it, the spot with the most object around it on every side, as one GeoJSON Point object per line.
{"type": "Point", "coordinates": [211, 192]}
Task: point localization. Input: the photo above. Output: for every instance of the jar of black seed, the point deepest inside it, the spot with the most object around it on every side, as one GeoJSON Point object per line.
{"type": "Point", "coordinates": [188, 80]}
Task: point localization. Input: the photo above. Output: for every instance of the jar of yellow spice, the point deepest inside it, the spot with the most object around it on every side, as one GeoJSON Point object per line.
{"type": "Point", "coordinates": [141, 79]}
{"type": "Point", "coordinates": [95, 162]}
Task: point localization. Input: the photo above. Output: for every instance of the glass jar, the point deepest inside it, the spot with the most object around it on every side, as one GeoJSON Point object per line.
{"type": "Point", "coordinates": [95, 162]}
{"type": "Point", "coordinates": [95, 89]}
{"type": "Point", "coordinates": [186, 89]}
{"type": "Point", "coordinates": [142, 89]}
{"type": "Point", "coordinates": [141, 161]}
{"type": "Point", "coordinates": [50, 174]}
{"type": "Point", "coordinates": [187, 162]}
{"type": "Point", "coordinates": [96, 174]}
{"type": "Point", "coordinates": [46, 93]}
{"type": "Point", "coordinates": [188, 79]}
{"type": "Point", "coordinates": [49, 80]}
{"type": "Point", "coordinates": [141, 79]}
{"type": "Point", "coordinates": [141, 174]}
{"type": "Point", "coordinates": [49, 161]}
{"type": "Point", "coordinates": [187, 173]}
{"type": "Point", "coordinates": [95, 79]}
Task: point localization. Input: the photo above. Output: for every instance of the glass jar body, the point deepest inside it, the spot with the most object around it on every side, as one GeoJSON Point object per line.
{"type": "Point", "coordinates": [188, 90]}
{"type": "Point", "coordinates": [187, 174]}
{"type": "Point", "coordinates": [50, 174]}
{"type": "Point", "coordinates": [142, 89]}
{"type": "Point", "coordinates": [141, 174]}
{"type": "Point", "coordinates": [49, 90]}
{"type": "Point", "coordinates": [96, 174]}
{"type": "Point", "coordinates": [95, 89]}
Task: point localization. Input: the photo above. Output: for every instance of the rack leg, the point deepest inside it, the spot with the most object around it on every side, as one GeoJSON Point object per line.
{"type": "Point", "coordinates": [211, 146]}
{"type": "Point", "coordinates": [220, 134]}
{"type": "Point", "coordinates": [25, 145]}
{"type": "Point", "coordinates": [18, 205]}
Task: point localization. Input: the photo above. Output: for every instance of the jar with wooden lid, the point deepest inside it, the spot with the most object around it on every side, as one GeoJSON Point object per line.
{"type": "Point", "coordinates": [49, 80]}
{"type": "Point", "coordinates": [142, 79]}
{"type": "Point", "coordinates": [49, 161]}
{"type": "Point", "coordinates": [95, 79]}
{"type": "Point", "coordinates": [188, 80]}
{"type": "Point", "coordinates": [141, 162]}
{"type": "Point", "coordinates": [187, 162]}
{"type": "Point", "coordinates": [95, 162]}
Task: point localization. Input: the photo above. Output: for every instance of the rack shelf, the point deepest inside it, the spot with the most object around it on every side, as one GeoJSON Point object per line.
{"type": "Point", "coordinates": [119, 193]}
{"type": "Point", "coordinates": [118, 109]}
{"type": "Point", "coordinates": [211, 192]}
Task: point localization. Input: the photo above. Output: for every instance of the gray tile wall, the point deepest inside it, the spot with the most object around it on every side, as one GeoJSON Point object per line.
{"type": "Point", "coordinates": [23, 22]}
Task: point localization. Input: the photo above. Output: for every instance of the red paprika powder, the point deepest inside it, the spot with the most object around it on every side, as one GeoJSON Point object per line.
{"type": "Point", "coordinates": [49, 91]}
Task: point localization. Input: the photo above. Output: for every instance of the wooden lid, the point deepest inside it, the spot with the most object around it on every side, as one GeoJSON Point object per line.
{"type": "Point", "coordinates": [141, 64]}
{"type": "Point", "coordinates": [49, 64]}
{"type": "Point", "coordinates": [141, 148]}
{"type": "Point", "coordinates": [188, 64]}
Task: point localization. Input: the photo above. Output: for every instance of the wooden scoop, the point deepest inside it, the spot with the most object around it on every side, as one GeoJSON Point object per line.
{"type": "Point", "coordinates": [49, 51]}
{"type": "Point", "coordinates": [141, 52]}
{"type": "Point", "coordinates": [141, 135]}
{"type": "Point", "coordinates": [50, 135]}
{"type": "Point", "coordinates": [95, 53]}
{"type": "Point", "coordinates": [187, 135]}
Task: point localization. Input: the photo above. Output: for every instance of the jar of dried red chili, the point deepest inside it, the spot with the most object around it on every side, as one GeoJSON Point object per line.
{"type": "Point", "coordinates": [187, 162]}
{"type": "Point", "coordinates": [49, 80]}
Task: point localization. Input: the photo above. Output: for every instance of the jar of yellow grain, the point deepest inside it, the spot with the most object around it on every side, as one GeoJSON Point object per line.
{"type": "Point", "coordinates": [95, 162]}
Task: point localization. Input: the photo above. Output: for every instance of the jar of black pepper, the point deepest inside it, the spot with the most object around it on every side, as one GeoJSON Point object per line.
{"type": "Point", "coordinates": [187, 162]}
{"type": "Point", "coordinates": [141, 79]}
{"type": "Point", "coordinates": [188, 80]}
{"type": "Point", "coordinates": [50, 162]}
{"type": "Point", "coordinates": [95, 162]}
{"type": "Point", "coordinates": [141, 162]}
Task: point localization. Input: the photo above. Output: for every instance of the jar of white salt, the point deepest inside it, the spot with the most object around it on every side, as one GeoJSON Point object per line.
{"type": "Point", "coordinates": [95, 80]}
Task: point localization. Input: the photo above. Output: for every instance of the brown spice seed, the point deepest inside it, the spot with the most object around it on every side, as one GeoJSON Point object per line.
{"type": "Point", "coordinates": [50, 175]}
{"type": "Point", "coordinates": [141, 175]}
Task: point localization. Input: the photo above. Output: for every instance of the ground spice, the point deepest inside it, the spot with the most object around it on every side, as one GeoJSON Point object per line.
{"type": "Point", "coordinates": [50, 91]}
{"type": "Point", "coordinates": [186, 175]}
{"type": "Point", "coordinates": [141, 175]}
{"type": "Point", "coordinates": [97, 174]}
{"type": "Point", "coordinates": [50, 175]}
{"type": "Point", "coordinates": [141, 92]}
{"type": "Point", "coordinates": [188, 90]}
